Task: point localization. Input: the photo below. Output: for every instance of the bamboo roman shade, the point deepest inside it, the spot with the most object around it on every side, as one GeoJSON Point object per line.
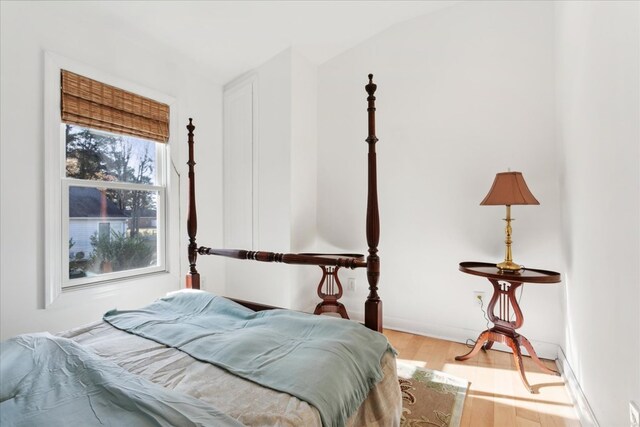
{"type": "Point", "coordinates": [89, 103]}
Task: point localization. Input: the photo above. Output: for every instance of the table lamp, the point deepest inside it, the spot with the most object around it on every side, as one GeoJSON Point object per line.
{"type": "Point", "coordinates": [509, 188]}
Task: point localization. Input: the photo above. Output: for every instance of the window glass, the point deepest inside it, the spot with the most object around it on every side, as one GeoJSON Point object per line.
{"type": "Point", "coordinates": [108, 233]}
{"type": "Point", "coordinates": [113, 201]}
{"type": "Point", "coordinates": [103, 156]}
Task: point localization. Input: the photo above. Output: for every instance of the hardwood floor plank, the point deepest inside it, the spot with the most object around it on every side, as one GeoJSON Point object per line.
{"type": "Point", "coordinates": [505, 393]}
{"type": "Point", "coordinates": [496, 396]}
{"type": "Point", "coordinates": [523, 422]}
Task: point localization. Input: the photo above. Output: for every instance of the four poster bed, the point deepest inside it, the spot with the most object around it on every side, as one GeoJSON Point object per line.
{"type": "Point", "coordinates": [373, 303]}
{"type": "Point", "coordinates": [193, 358]}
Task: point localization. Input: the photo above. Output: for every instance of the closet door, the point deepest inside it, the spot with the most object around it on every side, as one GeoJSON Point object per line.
{"type": "Point", "coordinates": [239, 165]}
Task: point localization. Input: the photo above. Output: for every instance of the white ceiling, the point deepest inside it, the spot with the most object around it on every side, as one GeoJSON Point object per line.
{"type": "Point", "coordinates": [232, 37]}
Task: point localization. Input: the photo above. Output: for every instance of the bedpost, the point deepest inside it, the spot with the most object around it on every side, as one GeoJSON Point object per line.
{"type": "Point", "coordinates": [193, 277]}
{"type": "Point", "coordinates": [373, 305]}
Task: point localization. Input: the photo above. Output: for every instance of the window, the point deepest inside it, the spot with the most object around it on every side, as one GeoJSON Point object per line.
{"type": "Point", "coordinates": [114, 188]}
{"type": "Point", "coordinates": [107, 180]}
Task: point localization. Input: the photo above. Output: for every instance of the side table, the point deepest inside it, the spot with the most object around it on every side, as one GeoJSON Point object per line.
{"type": "Point", "coordinates": [504, 295]}
{"type": "Point", "coordinates": [330, 288]}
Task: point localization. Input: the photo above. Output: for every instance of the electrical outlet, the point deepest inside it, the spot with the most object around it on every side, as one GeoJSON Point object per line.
{"type": "Point", "coordinates": [478, 297]}
{"type": "Point", "coordinates": [351, 284]}
{"type": "Point", "coordinates": [634, 414]}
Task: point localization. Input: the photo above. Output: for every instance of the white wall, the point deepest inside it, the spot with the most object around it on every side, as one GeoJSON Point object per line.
{"type": "Point", "coordinates": [304, 147]}
{"type": "Point", "coordinates": [74, 31]}
{"type": "Point", "coordinates": [599, 115]}
{"type": "Point", "coordinates": [304, 174]}
{"type": "Point", "coordinates": [285, 187]}
{"type": "Point", "coordinates": [463, 93]}
{"type": "Point", "coordinates": [267, 283]}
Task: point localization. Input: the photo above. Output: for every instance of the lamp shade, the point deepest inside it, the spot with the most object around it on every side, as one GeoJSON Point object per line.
{"type": "Point", "coordinates": [509, 188]}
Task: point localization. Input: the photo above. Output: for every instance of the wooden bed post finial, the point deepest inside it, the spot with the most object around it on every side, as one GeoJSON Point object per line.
{"type": "Point", "coordinates": [373, 305]}
{"type": "Point", "coordinates": [193, 277]}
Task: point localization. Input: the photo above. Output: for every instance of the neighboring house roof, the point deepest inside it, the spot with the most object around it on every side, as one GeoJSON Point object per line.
{"type": "Point", "coordinates": [88, 202]}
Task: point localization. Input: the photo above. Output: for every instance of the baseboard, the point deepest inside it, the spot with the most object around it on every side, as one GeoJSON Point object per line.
{"type": "Point", "coordinates": [585, 413]}
{"type": "Point", "coordinates": [544, 350]}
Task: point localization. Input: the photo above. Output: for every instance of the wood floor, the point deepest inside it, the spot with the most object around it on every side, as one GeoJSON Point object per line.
{"type": "Point", "coordinates": [496, 396]}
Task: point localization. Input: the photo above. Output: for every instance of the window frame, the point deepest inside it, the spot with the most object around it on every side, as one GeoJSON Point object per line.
{"type": "Point", "coordinates": [56, 203]}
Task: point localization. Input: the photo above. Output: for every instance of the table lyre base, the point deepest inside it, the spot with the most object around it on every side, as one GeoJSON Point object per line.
{"type": "Point", "coordinates": [504, 329]}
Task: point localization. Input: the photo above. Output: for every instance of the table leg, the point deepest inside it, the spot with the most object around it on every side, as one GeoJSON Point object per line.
{"type": "Point", "coordinates": [517, 356]}
{"type": "Point", "coordinates": [481, 340]}
{"type": "Point", "coordinates": [488, 345]}
{"type": "Point", "coordinates": [525, 342]}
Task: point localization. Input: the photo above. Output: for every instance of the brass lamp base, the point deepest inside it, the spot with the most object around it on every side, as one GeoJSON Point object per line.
{"type": "Point", "coordinates": [509, 266]}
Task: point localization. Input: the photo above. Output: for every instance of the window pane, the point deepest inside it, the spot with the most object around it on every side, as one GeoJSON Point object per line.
{"type": "Point", "coordinates": [103, 156]}
{"type": "Point", "coordinates": [111, 230]}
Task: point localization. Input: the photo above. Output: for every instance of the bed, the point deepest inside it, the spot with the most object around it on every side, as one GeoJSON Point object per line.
{"type": "Point", "coordinates": [193, 358]}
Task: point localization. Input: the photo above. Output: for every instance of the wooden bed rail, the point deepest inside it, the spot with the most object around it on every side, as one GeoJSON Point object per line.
{"type": "Point", "coordinates": [373, 304]}
{"type": "Point", "coordinates": [300, 259]}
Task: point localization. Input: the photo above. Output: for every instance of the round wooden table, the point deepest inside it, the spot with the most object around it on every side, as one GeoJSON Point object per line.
{"type": "Point", "coordinates": [504, 297]}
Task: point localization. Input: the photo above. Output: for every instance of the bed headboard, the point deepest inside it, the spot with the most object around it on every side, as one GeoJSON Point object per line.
{"type": "Point", "coordinates": [373, 303]}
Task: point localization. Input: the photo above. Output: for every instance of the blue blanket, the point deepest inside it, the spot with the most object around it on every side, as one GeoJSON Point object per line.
{"type": "Point", "coordinates": [53, 381]}
{"type": "Point", "coordinates": [330, 363]}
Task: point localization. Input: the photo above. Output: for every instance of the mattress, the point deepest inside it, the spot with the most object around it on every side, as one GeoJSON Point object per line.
{"type": "Point", "coordinates": [243, 400]}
